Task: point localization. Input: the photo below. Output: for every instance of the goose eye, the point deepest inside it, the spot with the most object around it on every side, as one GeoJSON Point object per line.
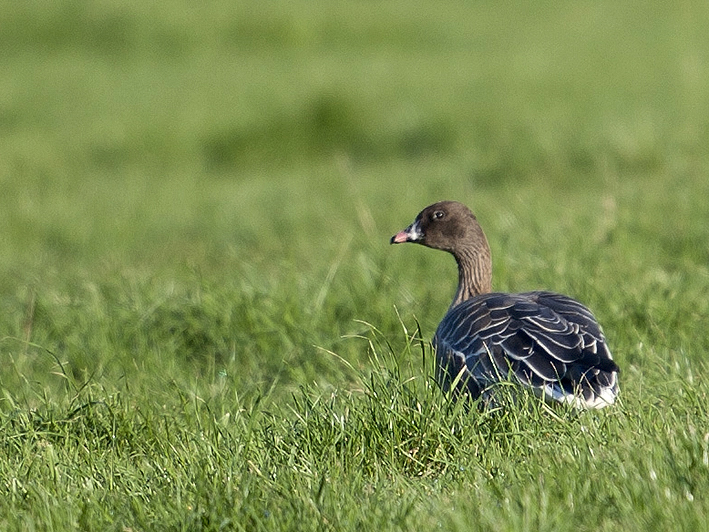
{"type": "Point", "coordinates": [438, 215]}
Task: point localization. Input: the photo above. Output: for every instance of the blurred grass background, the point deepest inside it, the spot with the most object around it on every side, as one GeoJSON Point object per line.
{"type": "Point", "coordinates": [172, 167]}
{"type": "Point", "coordinates": [200, 197]}
{"type": "Point", "coordinates": [271, 148]}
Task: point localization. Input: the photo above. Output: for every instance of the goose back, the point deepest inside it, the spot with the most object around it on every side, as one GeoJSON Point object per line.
{"type": "Point", "coordinates": [543, 340]}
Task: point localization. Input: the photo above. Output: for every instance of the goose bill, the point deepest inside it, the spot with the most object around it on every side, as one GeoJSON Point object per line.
{"type": "Point", "coordinates": [411, 234]}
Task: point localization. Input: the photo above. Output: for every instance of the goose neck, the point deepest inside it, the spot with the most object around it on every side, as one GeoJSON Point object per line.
{"type": "Point", "coordinates": [474, 274]}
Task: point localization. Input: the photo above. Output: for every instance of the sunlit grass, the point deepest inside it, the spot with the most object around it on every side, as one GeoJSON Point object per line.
{"type": "Point", "coordinates": [202, 325]}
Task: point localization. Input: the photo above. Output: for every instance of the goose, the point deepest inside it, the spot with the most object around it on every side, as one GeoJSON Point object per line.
{"type": "Point", "coordinates": [545, 341]}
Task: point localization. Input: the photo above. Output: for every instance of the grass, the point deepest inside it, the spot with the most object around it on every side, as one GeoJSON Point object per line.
{"type": "Point", "coordinates": [202, 325]}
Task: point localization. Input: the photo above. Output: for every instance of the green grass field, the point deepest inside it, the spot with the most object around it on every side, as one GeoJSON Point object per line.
{"type": "Point", "coordinates": [203, 327]}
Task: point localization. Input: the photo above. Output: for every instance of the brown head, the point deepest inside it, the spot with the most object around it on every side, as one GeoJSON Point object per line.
{"type": "Point", "coordinates": [450, 226]}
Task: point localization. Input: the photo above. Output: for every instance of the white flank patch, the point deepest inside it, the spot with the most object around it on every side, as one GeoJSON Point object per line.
{"type": "Point", "coordinates": [606, 398]}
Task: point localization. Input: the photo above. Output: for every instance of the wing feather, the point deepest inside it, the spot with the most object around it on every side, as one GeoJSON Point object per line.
{"type": "Point", "coordinates": [545, 340]}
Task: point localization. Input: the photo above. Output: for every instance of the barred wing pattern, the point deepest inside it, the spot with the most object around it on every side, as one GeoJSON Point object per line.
{"type": "Point", "coordinates": [543, 340]}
